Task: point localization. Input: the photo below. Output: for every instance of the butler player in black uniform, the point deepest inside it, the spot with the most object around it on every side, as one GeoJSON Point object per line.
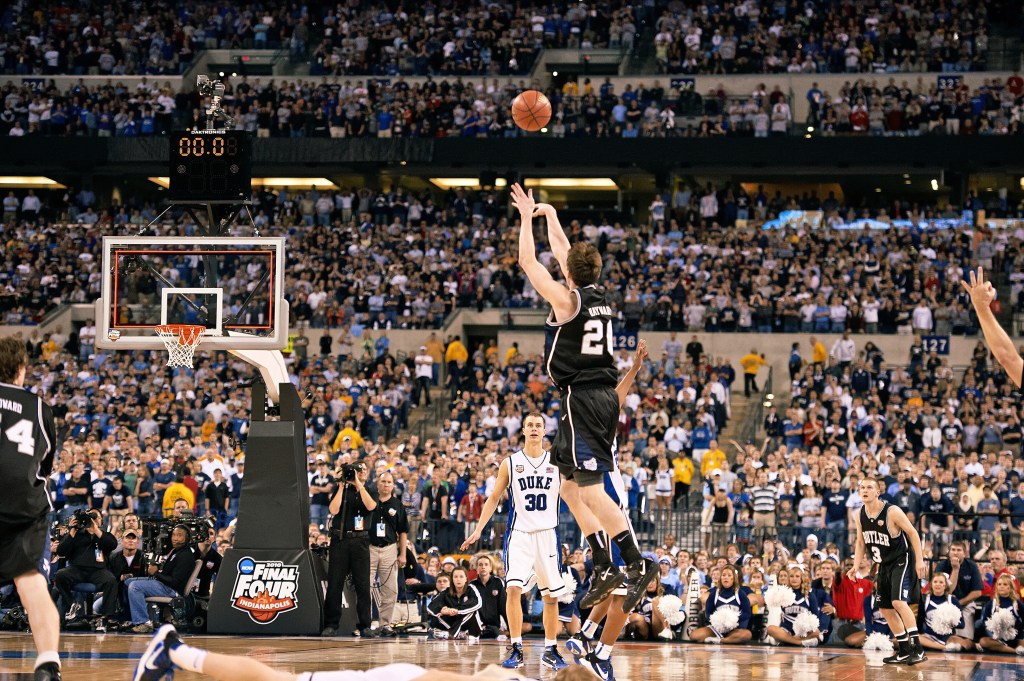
{"type": "Point", "coordinates": [580, 361]}
{"type": "Point", "coordinates": [27, 447]}
{"type": "Point", "coordinates": [900, 567]}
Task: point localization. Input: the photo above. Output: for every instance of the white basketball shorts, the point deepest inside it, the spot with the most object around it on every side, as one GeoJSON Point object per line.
{"type": "Point", "coordinates": [529, 553]}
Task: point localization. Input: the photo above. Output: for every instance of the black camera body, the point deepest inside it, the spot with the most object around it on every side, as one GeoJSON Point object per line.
{"type": "Point", "coordinates": [348, 472]}
{"type": "Point", "coordinates": [80, 519]}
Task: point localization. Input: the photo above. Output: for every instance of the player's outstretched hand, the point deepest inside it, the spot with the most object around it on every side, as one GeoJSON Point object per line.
{"type": "Point", "coordinates": [982, 292]}
{"type": "Point", "coordinates": [523, 200]}
{"type": "Point", "coordinates": [852, 574]}
{"type": "Point", "coordinates": [470, 540]}
{"type": "Point", "coordinates": [641, 351]}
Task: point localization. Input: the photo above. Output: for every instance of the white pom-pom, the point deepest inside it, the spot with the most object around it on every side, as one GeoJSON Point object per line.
{"type": "Point", "coordinates": [1000, 625]}
{"type": "Point", "coordinates": [570, 588]}
{"type": "Point", "coordinates": [805, 623]}
{"type": "Point", "coordinates": [944, 618]}
{"type": "Point", "coordinates": [878, 641]}
{"type": "Point", "coordinates": [724, 620]}
{"type": "Point", "coordinates": [779, 596]}
{"type": "Point", "coordinates": [671, 608]}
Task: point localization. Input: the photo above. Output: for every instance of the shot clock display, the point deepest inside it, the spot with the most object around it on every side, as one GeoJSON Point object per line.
{"type": "Point", "coordinates": [210, 165]}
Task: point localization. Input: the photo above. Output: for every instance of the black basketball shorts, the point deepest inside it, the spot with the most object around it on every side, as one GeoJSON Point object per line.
{"type": "Point", "coordinates": [897, 581]}
{"type": "Point", "coordinates": [25, 549]}
{"type": "Point", "coordinates": [585, 441]}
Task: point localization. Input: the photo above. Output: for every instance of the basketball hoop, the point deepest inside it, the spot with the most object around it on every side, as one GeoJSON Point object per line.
{"type": "Point", "coordinates": [181, 341]}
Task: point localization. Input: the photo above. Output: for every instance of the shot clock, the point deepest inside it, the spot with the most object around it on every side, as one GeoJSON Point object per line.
{"type": "Point", "coordinates": [210, 165]}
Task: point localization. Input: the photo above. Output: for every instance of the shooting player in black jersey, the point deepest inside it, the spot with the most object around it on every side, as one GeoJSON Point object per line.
{"type": "Point", "coordinates": [900, 567]}
{"type": "Point", "coordinates": [580, 361]}
{"type": "Point", "coordinates": [28, 442]}
{"type": "Point", "coordinates": [999, 342]}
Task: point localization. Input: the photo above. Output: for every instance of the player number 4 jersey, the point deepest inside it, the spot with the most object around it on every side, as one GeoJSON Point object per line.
{"type": "Point", "coordinates": [533, 491]}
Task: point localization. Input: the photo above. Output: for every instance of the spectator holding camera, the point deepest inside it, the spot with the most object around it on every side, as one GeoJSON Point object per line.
{"type": "Point", "coordinates": [87, 548]}
{"type": "Point", "coordinates": [349, 554]}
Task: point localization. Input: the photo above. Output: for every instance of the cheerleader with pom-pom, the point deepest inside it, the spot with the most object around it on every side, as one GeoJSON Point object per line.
{"type": "Point", "coordinates": [1002, 619]}
{"type": "Point", "coordinates": [939, 616]}
{"type": "Point", "coordinates": [728, 611]}
{"type": "Point", "coordinates": [801, 621]}
{"type": "Point", "coordinates": [646, 619]}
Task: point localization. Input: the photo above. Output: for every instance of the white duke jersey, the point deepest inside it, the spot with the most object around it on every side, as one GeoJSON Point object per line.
{"type": "Point", "coordinates": [533, 486]}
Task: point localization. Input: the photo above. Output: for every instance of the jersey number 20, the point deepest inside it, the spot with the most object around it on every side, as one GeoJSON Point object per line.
{"type": "Point", "coordinates": [536, 502]}
{"type": "Point", "coordinates": [596, 335]}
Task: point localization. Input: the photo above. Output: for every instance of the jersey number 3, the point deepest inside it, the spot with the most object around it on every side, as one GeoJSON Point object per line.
{"type": "Point", "coordinates": [876, 555]}
{"type": "Point", "coordinates": [21, 434]}
{"type": "Point", "coordinates": [597, 335]}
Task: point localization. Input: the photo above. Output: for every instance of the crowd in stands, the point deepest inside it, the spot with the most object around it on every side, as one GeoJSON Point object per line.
{"type": "Point", "coordinates": [336, 107]}
{"type": "Point", "coordinates": [995, 108]}
{"type": "Point", "coordinates": [95, 38]}
{"type": "Point", "coordinates": [499, 38]}
{"type": "Point", "coordinates": [750, 36]}
{"type": "Point", "coordinates": [412, 261]}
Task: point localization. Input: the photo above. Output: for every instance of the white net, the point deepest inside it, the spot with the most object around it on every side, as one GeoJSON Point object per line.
{"type": "Point", "coordinates": [181, 341]}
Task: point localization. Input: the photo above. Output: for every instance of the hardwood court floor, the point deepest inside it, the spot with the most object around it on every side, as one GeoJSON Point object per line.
{"type": "Point", "coordinates": [90, 657]}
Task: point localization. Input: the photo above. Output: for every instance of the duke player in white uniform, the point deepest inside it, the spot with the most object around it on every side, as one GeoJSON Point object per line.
{"type": "Point", "coordinates": [531, 540]}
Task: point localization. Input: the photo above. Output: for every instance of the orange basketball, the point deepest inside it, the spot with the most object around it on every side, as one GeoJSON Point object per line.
{"type": "Point", "coordinates": [531, 110]}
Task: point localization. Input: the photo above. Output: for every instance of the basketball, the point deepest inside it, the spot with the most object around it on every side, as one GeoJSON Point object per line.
{"type": "Point", "coordinates": [531, 110]}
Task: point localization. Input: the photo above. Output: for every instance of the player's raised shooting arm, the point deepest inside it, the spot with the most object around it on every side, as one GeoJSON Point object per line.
{"type": "Point", "coordinates": [982, 294]}
{"type": "Point", "coordinates": [555, 293]}
{"type": "Point", "coordinates": [556, 235]}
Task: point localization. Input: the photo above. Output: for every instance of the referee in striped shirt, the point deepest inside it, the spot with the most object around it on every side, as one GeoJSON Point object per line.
{"type": "Point", "coordinates": [763, 499]}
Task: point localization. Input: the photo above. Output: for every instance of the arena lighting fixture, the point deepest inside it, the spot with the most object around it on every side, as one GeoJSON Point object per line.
{"type": "Point", "coordinates": [591, 183]}
{"type": "Point", "coordinates": [935, 185]}
{"type": "Point", "coordinates": [300, 182]}
{"type": "Point", "coordinates": [769, 397]}
{"type": "Point", "coordinates": [29, 182]}
{"type": "Point", "coordinates": [1022, 183]}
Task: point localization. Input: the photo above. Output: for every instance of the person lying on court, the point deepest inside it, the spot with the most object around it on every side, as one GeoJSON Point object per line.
{"type": "Point", "coordinates": [167, 653]}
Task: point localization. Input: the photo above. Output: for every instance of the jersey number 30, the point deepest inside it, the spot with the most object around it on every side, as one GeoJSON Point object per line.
{"type": "Point", "coordinates": [536, 502]}
{"type": "Point", "coordinates": [21, 434]}
{"type": "Point", "coordinates": [597, 335]}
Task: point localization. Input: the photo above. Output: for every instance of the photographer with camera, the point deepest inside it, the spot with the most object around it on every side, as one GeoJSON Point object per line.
{"type": "Point", "coordinates": [169, 580]}
{"type": "Point", "coordinates": [350, 547]}
{"type": "Point", "coordinates": [87, 548]}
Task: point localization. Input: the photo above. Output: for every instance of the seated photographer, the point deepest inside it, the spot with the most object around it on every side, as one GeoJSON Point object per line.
{"type": "Point", "coordinates": [87, 549]}
{"type": "Point", "coordinates": [170, 580]}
